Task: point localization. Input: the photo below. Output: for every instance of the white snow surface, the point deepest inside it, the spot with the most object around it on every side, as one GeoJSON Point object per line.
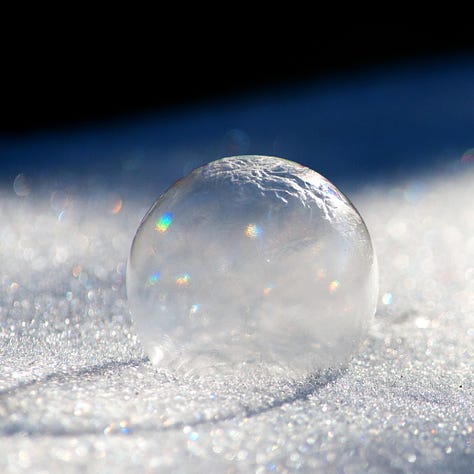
{"type": "Point", "coordinates": [77, 393]}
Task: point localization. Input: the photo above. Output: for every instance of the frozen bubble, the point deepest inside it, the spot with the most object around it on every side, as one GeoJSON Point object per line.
{"type": "Point", "coordinates": [252, 259]}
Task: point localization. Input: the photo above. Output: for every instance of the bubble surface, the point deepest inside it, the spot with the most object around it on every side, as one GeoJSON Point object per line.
{"type": "Point", "coordinates": [252, 259]}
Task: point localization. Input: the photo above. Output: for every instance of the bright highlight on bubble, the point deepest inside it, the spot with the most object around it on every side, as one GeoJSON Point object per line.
{"type": "Point", "coordinates": [261, 261]}
{"type": "Point", "coordinates": [164, 222]}
{"type": "Point", "coordinates": [267, 289]}
{"type": "Point", "coordinates": [152, 279]}
{"type": "Point", "coordinates": [76, 271]}
{"type": "Point", "coordinates": [333, 286]}
{"type": "Point", "coordinates": [387, 298]}
{"type": "Point", "coordinates": [253, 231]}
{"type": "Point", "coordinates": [183, 280]}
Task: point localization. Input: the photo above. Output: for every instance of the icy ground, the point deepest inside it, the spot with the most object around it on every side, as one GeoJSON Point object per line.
{"type": "Point", "coordinates": [77, 394]}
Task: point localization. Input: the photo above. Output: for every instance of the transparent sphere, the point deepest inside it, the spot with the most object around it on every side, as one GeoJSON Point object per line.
{"type": "Point", "coordinates": [252, 259]}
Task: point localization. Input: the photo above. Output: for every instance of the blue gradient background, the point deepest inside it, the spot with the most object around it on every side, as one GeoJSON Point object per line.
{"type": "Point", "coordinates": [413, 119]}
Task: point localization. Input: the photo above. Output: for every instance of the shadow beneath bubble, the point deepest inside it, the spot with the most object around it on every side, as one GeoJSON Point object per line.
{"type": "Point", "coordinates": [310, 385]}
{"type": "Point", "coordinates": [64, 377]}
{"type": "Point", "coordinates": [303, 390]}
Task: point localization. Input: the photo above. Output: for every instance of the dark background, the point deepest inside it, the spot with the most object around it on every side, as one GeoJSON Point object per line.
{"type": "Point", "coordinates": [59, 82]}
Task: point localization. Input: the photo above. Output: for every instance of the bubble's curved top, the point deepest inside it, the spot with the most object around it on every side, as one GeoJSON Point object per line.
{"type": "Point", "coordinates": [286, 179]}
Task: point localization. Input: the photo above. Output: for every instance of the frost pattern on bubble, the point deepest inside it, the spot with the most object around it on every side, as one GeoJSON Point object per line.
{"type": "Point", "coordinates": [252, 259]}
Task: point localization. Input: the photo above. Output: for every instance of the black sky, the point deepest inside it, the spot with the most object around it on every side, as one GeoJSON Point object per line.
{"type": "Point", "coordinates": [53, 84]}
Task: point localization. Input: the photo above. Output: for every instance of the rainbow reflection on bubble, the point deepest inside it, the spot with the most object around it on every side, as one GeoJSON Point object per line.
{"type": "Point", "coordinates": [164, 222]}
{"type": "Point", "coordinates": [76, 271]}
{"type": "Point", "coordinates": [194, 308]}
{"type": "Point", "coordinates": [333, 286]}
{"type": "Point", "coordinates": [152, 279]}
{"type": "Point", "coordinates": [183, 279]}
{"type": "Point", "coordinates": [253, 231]}
{"type": "Point", "coordinates": [267, 290]}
